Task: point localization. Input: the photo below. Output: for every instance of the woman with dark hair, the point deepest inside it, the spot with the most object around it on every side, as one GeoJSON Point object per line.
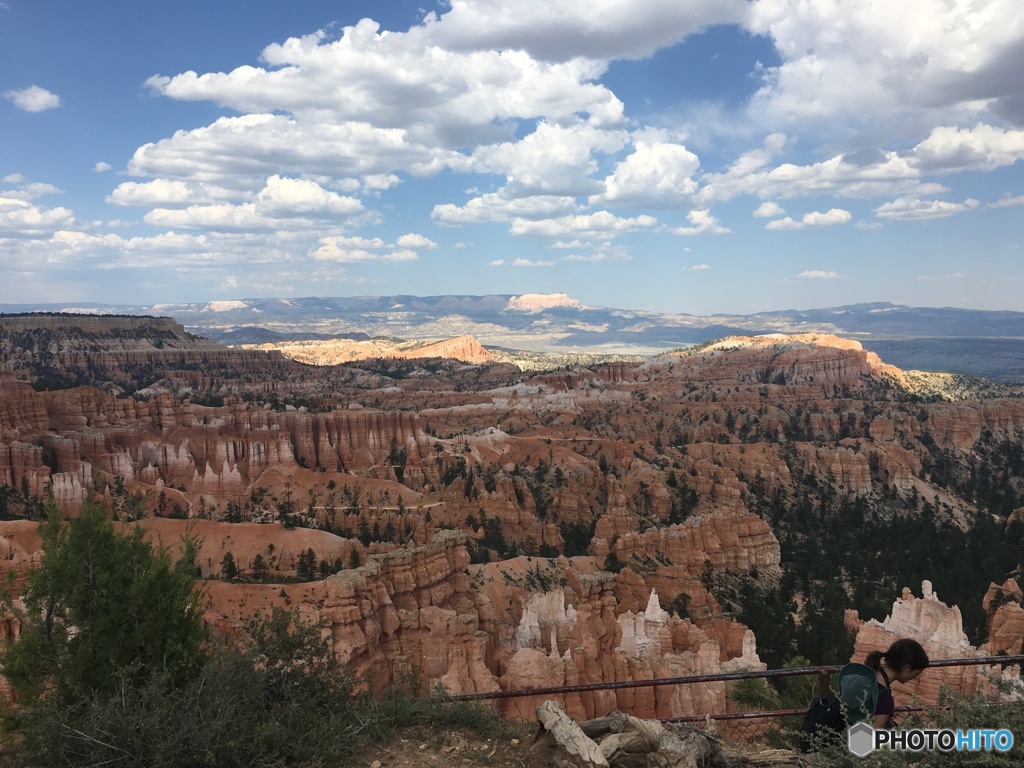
{"type": "Point", "coordinates": [901, 663]}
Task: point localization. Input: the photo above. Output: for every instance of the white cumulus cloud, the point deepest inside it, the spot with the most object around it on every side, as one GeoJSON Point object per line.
{"type": "Point", "coordinates": [283, 203]}
{"type": "Point", "coordinates": [414, 241]}
{"type": "Point", "coordinates": [303, 197]}
{"type": "Point", "coordinates": [889, 65]}
{"type": "Point", "coordinates": [703, 223]}
{"type": "Point", "coordinates": [656, 175]}
{"type": "Point", "coordinates": [552, 160]}
{"type": "Point", "coordinates": [436, 96]}
{"type": "Point", "coordinates": [21, 218]}
{"type": "Point", "coordinates": [354, 249]}
{"type": "Point", "coordinates": [560, 30]}
{"type": "Point", "coordinates": [982, 148]}
{"type": "Point", "coordinates": [158, 192]}
{"type": "Point", "coordinates": [768, 210]}
{"type": "Point", "coordinates": [33, 99]}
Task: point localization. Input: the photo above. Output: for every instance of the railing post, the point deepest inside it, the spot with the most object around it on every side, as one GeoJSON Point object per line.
{"type": "Point", "coordinates": [823, 683]}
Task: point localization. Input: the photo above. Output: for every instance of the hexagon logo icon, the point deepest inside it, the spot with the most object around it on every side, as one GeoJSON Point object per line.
{"type": "Point", "coordinates": [860, 739]}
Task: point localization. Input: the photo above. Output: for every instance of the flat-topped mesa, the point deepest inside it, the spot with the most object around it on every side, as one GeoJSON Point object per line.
{"type": "Point", "coordinates": [59, 335]}
{"type": "Point", "coordinates": [534, 302]}
{"type": "Point", "coordinates": [803, 359]}
{"type": "Point", "coordinates": [90, 324]}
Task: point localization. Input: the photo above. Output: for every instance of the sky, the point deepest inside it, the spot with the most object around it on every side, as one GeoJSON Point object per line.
{"type": "Point", "coordinates": [690, 156]}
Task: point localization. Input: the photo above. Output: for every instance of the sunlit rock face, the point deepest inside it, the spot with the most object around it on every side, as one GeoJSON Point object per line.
{"type": "Point", "coordinates": [337, 351]}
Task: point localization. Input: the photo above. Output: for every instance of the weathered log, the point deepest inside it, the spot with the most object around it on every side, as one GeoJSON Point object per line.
{"type": "Point", "coordinates": [572, 747]}
{"type": "Point", "coordinates": [621, 741]}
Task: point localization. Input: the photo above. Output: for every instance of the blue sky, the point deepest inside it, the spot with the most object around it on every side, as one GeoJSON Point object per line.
{"type": "Point", "coordinates": [675, 155]}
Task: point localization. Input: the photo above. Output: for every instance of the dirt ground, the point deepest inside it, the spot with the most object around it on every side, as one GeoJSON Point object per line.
{"type": "Point", "coordinates": [424, 747]}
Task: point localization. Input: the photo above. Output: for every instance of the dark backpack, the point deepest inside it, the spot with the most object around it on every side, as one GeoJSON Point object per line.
{"type": "Point", "coordinates": [831, 716]}
{"type": "Point", "coordinates": [824, 720]}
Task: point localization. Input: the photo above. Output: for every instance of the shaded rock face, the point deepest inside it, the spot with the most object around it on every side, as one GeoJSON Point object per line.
{"type": "Point", "coordinates": [939, 628]}
{"type": "Point", "coordinates": [119, 349]}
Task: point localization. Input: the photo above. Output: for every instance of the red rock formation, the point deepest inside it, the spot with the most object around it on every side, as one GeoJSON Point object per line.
{"type": "Point", "coordinates": [741, 543]}
{"type": "Point", "coordinates": [819, 361]}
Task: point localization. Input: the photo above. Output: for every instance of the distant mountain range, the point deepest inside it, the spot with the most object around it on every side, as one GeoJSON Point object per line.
{"type": "Point", "coordinates": [977, 342]}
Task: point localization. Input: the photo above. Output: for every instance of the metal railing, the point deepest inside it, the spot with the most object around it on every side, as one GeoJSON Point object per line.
{"type": "Point", "coordinates": [824, 674]}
